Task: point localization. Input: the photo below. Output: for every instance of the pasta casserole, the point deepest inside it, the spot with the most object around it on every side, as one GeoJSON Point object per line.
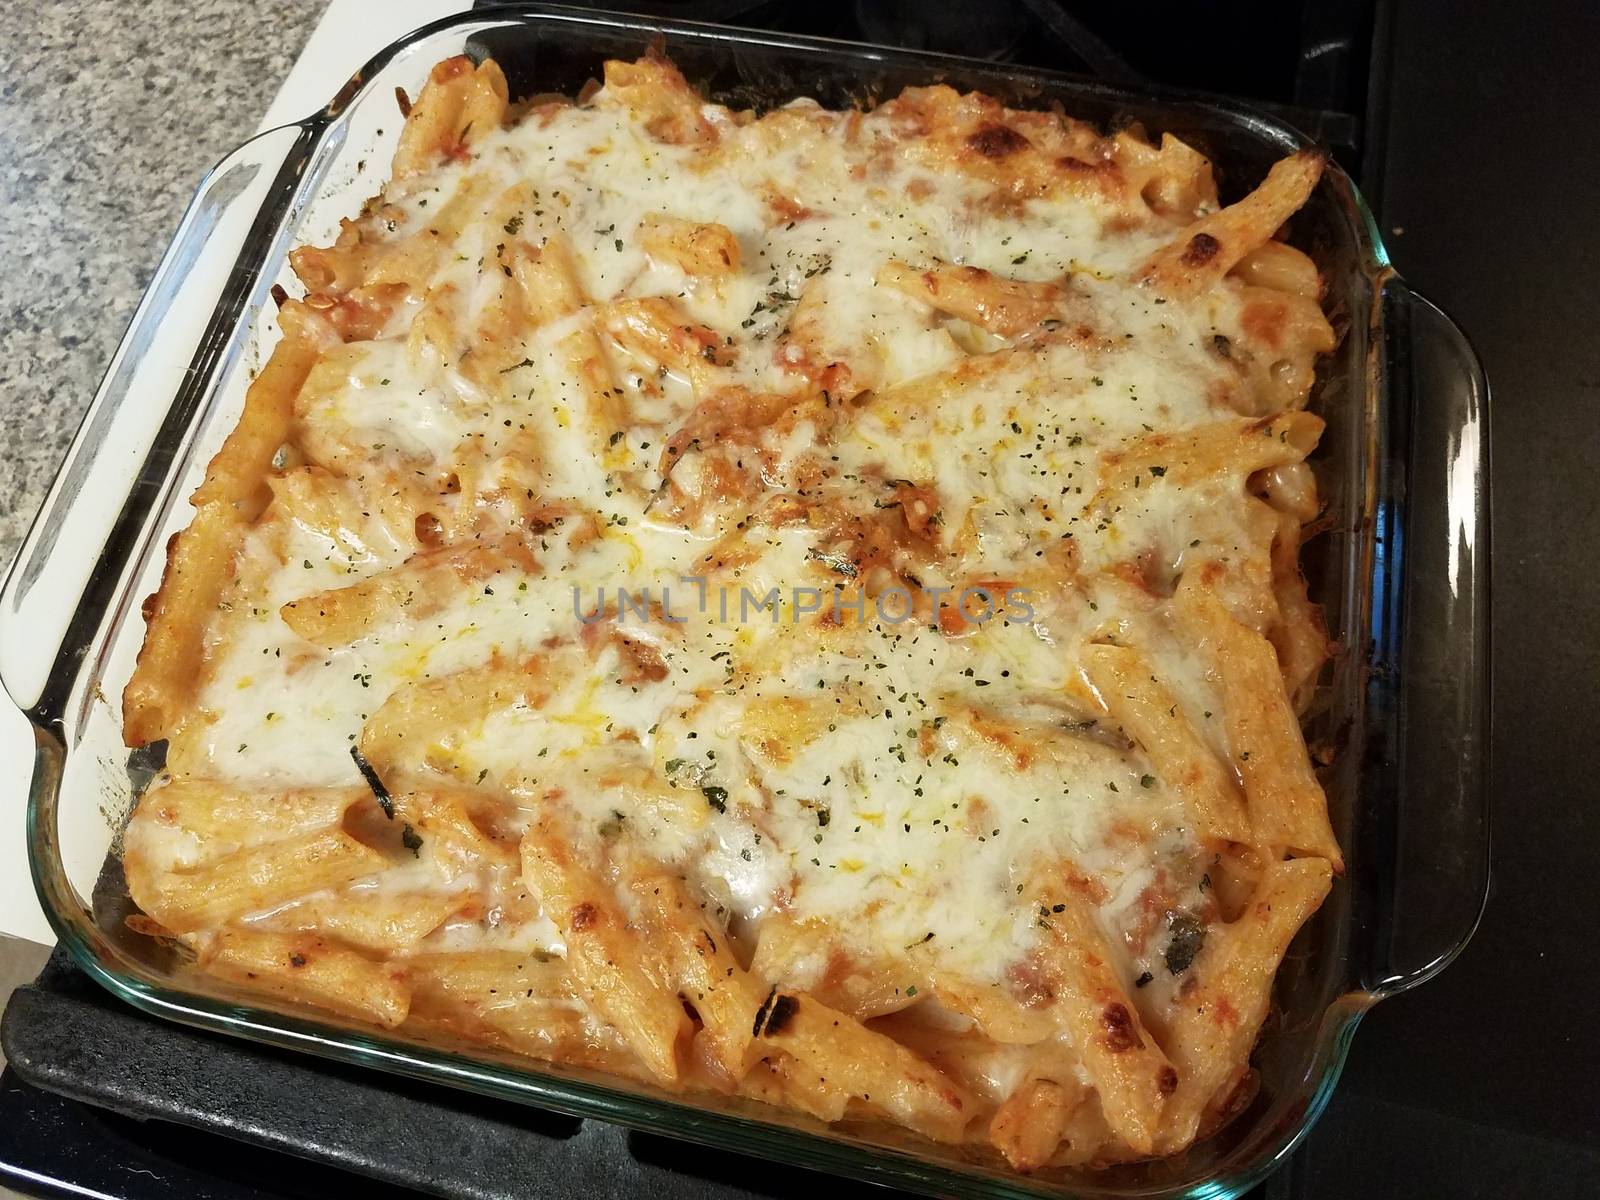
{"type": "Point", "coordinates": [803, 607]}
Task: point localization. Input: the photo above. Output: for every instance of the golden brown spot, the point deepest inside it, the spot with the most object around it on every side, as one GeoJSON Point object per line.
{"type": "Point", "coordinates": [997, 141]}
{"type": "Point", "coordinates": [784, 209]}
{"type": "Point", "coordinates": [429, 531]}
{"type": "Point", "coordinates": [1120, 1034]}
{"type": "Point", "coordinates": [1079, 166]}
{"type": "Point", "coordinates": [1264, 321]}
{"type": "Point", "coordinates": [1202, 249]}
{"type": "Point", "coordinates": [584, 916]}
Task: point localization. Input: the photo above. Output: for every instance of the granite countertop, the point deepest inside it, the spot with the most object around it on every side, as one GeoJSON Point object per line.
{"type": "Point", "coordinates": [109, 116]}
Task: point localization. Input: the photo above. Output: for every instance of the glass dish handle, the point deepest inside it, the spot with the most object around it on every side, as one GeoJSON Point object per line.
{"type": "Point", "coordinates": [1435, 832]}
{"type": "Point", "coordinates": [98, 518]}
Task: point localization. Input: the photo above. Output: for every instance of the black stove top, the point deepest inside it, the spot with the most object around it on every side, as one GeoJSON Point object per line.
{"type": "Point", "coordinates": [1469, 125]}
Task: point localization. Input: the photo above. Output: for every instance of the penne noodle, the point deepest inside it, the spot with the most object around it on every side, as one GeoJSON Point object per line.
{"type": "Point", "coordinates": [786, 1082]}
{"type": "Point", "coordinates": [251, 880]}
{"type": "Point", "coordinates": [622, 977]}
{"type": "Point", "coordinates": [655, 330]}
{"type": "Point", "coordinates": [1006, 307]}
{"type": "Point", "coordinates": [442, 818]}
{"type": "Point", "coordinates": [308, 968]}
{"type": "Point", "coordinates": [1215, 1023]}
{"type": "Point", "coordinates": [416, 588]}
{"type": "Point", "coordinates": [369, 919]}
{"type": "Point", "coordinates": [836, 362]}
{"type": "Point", "coordinates": [458, 105]}
{"type": "Point", "coordinates": [995, 1012]}
{"type": "Point", "coordinates": [319, 501]}
{"type": "Point", "coordinates": [660, 100]}
{"type": "Point", "coordinates": [1288, 810]}
{"type": "Point", "coordinates": [421, 722]}
{"type": "Point", "coordinates": [866, 1064]}
{"type": "Point", "coordinates": [1029, 1126]}
{"type": "Point", "coordinates": [1298, 636]}
{"type": "Point", "coordinates": [525, 1002]}
{"type": "Point", "coordinates": [1208, 249]}
{"type": "Point", "coordinates": [724, 996]}
{"type": "Point", "coordinates": [1225, 448]}
{"type": "Point", "coordinates": [548, 278]}
{"type": "Point", "coordinates": [926, 393]}
{"type": "Point", "coordinates": [584, 362]}
{"type": "Point", "coordinates": [237, 474]}
{"type": "Point", "coordinates": [695, 248]}
{"type": "Point", "coordinates": [808, 956]}
{"type": "Point", "coordinates": [222, 813]}
{"type": "Point", "coordinates": [1123, 683]}
{"type": "Point", "coordinates": [1282, 268]}
{"type": "Point", "coordinates": [200, 559]}
{"type": "Point", "coordinates": [1281, 336]}
{"type": "Point", "coordinates": [1128, 1070]}
{"type": "Point", "coordinates": [1174, 179]}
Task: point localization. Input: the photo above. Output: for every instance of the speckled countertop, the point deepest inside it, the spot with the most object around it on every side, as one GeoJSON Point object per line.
{"type": "Point", "coordinates": [110, 113]}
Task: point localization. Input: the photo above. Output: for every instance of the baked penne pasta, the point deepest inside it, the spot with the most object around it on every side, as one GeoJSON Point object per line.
{"type": "Point", "coordinates": [1129, 1071]}
{"type": "Point", "coordinates": [1123, 682]}
{"type": "Point", "coordinates": [252, 880]}
{"type": "Point", "coordinates": [1288, 810]}
{"type": "Point", "coordinates": [1203, 252]}
{"type": "Point", "coordinates": [306, 968]}
{"type": "Point", "coordinates": [801, 608]}
{"type": "Point", "coordinates": [625, 978]}
{"type": "Point", "coordinates": [694, 247]}
{"type": "Point", "coordinates": [1002, 306]}
{"type": "Point", "coordinates": [1215, 1022]}
{"type": "Point", "coordinates": [458, 105]}
{"type": "Point", "coordinates": [200, 559]}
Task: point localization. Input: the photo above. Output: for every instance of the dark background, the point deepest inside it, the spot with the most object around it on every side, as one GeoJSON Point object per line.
{"type": "Point", "coordinates": [1482, 1082]}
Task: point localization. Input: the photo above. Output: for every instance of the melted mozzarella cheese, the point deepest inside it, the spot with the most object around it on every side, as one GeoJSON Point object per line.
{"type": "Point", "coordinates": [920, 777]}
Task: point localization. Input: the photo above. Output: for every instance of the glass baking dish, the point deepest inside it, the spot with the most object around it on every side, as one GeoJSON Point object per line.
{"type": "Point", "coordinates": [1402, 573]}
